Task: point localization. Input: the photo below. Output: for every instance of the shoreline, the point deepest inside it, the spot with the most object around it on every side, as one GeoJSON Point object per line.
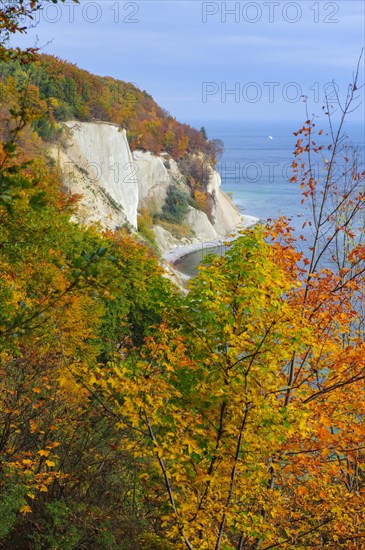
{"type": "Point", "coordinates": [177, 253]}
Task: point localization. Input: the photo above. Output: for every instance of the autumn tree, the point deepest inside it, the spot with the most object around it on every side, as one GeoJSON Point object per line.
{"type": "Point", "coordinates": [249, 400]}
{"type": "Point", "coordinates": [71, 300]}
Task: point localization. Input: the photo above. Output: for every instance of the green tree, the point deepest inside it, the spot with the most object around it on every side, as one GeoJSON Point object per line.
{"type": "Point", "coordinates": [176, 206]}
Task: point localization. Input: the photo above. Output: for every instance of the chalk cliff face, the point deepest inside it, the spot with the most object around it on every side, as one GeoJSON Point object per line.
{"type": "Point", "coordinates": [103, 151]}
{"type": "Point", "coordinates": [97, 164]}
{"type": "Point", "coordinates": [155, 175]}
{"type": "Point", "coordinates": [153, 180]}
{"type": "Point", "coordinates": [225, 213]}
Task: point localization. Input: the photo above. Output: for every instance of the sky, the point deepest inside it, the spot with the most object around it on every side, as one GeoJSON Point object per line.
{"type": "Point", "coordinates": [206, 62]}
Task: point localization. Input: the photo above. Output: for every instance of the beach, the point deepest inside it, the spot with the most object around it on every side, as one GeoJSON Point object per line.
{"type": "Point", "coordinates": [176, 254]}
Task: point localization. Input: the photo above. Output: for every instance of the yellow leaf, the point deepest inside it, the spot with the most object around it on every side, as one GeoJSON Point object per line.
{"type": "Point", "coordinates": [44, 452]}
{"type": "Point", "coordinates": [25, 509]}
{"type": "Point", "coordinates": [50, 463]}
{"type": "Point", "coordinates": [33, 426]}
{"type": "Point", "coordinates": [54, 444]}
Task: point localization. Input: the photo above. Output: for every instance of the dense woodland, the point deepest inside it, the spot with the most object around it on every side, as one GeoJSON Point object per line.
{"type": "Point", "coordinates": [66, 92]}
{"type": "Point", "coordinates": [135, 417]}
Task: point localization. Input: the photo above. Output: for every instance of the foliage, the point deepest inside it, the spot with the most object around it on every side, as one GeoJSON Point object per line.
{"type": "Point", "coordinates": [196, 169]}
{"type": "Point", "coordinates": [134, 417]}
{"type": "Point", "coordinates": [203, 385]}
{"type": "Point", "coordinates": [145, 225]}
{"type": "Point", "coordinates": [203, 202]}
{"type": "Point", "coordinates": [250, 394]}
{"type": "Point", "coordinates": [17, 112]}
{"type": "Point", "coordinates": [71, 299]}
{"type": "Point", "coordinates": [71, 93]}
{"type": "Point", "coordinates": [177, 230]}
{"type": "Point", "coordinates": [176, 206]}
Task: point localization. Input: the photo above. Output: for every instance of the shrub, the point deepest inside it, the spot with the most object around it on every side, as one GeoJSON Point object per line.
{"type": "Point", "coordinates": [46, 129]}
{"type": "Point", "coordinates": [204, 202]}
{"type": "Point", "coordinates": [177, 230]}
{"type": "Point", "coordinates": [176, 206]}
{"type": "Point", "coordinates": [196, 169]}
{"type": "Point", "coordinates": [145, 223]}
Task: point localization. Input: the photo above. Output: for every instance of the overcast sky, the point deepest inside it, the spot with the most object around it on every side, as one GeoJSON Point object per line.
{"type": "Point", "coordinates": [190, 55]}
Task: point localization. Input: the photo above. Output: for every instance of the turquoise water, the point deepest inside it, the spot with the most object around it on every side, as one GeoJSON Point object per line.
{"type": "Point", "coordinates": [256, 169]}
{"type": "Point", "coordinates": [188, 264]}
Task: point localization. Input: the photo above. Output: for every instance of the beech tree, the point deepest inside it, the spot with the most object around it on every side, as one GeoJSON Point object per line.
{"type": "Point", "coordinates": [70, 298]}
{"type": "Point", "coordinates": [249, 400]}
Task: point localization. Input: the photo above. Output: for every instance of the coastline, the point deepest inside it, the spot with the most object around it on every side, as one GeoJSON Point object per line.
{"type": "Point", "coordinates": [179, 252]}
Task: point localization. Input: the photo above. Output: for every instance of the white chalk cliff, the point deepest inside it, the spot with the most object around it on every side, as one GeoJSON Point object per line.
{"type": "Point", "coordinates": [153, 180]}
{"type": "Point", "coordinates": [114, 184]}
{"type": "Point", "coordinates": [101, 152]}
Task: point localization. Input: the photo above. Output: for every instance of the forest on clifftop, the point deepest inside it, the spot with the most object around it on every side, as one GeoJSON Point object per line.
{"type": "Point", "coordinates": [66, 92]}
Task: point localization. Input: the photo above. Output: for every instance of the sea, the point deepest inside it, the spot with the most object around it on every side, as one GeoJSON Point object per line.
{"type": "Point", "coordinates": [255, 169]}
